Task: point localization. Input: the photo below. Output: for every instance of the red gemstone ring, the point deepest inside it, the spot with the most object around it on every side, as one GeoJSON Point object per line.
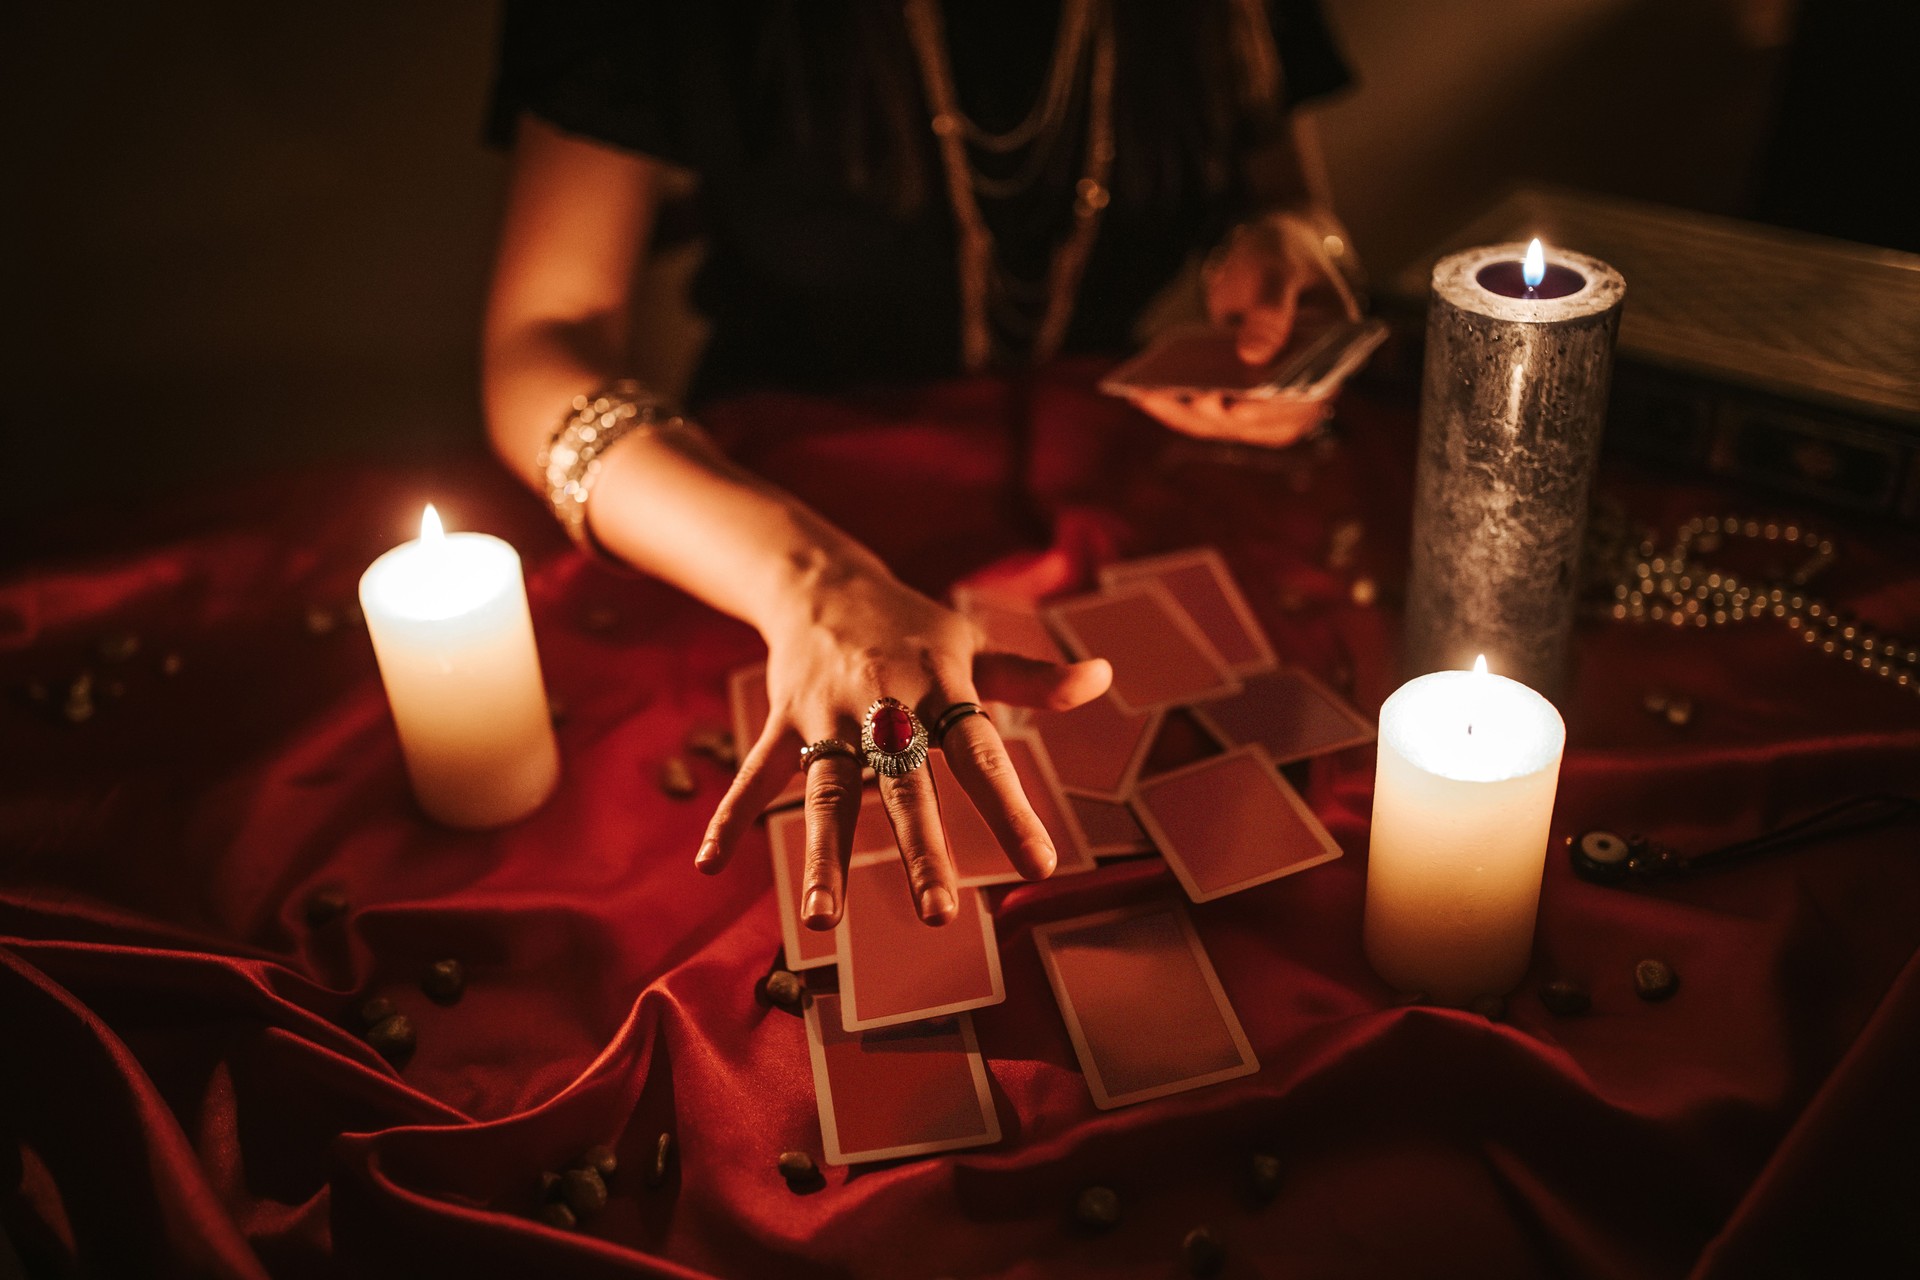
{"type": "Point", "coordinates": [893, 739]}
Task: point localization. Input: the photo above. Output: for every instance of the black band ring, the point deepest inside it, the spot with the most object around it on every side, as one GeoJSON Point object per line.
{"type": "Point", "coordinates": [952, 716]}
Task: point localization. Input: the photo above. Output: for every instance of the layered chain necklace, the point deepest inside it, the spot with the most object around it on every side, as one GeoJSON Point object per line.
{"type": "Point", "coordinates": [1677, 588]}
{"type": "Point", "coordinates": [988, 292]}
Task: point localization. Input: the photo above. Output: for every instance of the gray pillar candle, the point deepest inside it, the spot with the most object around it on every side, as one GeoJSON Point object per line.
{"type": "Point", "coordinates": [1510, 416]}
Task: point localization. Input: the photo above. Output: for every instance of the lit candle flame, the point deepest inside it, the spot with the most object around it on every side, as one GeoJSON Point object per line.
{"type": "Point", "coordinates": [432, 531]}
{"type": "Point", "coordinates": [1534, 268]}
{"type": "Point", "coordinates": [1479, 663]}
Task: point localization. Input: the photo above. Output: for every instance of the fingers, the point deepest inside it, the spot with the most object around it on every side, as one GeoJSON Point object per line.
{"type": "Point", "coordinates": [833, 807]}
{"type": "Point", "coordinates": [979, 760]}
{"type": "Point", "coordinates": [1266, 328]}
{"type": "Point", "coordinates": [914, 813]}
{"type": "Point", "coordinates": [762, 774]}
{"type": "Point", "coordinates": [1030, 682]}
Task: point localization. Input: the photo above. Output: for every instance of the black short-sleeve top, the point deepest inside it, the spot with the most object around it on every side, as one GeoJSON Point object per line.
{"type": "Point", "coordinates": [831, 251]}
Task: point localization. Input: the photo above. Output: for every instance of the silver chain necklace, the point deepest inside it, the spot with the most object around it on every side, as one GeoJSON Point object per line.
{"type": "Point", "coordinates": [1678, 589]}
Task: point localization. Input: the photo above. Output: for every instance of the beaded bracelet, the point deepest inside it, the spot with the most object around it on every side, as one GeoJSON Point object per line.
{"type": "Point", "coordinates": [570, 462]}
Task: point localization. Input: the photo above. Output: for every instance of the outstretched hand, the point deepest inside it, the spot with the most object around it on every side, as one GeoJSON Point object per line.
{"type": "Point", "coordinates": [867, 638]}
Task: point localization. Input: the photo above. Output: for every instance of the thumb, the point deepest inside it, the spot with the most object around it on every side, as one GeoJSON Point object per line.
{"type": "Point", "coordinates": [1266, 329]}
{"type": "Point", "coordinates": [1029, 682]}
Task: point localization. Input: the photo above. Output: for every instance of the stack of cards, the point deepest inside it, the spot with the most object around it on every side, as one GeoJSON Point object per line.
{"type": "Point", "coordinates": [1179, 633]}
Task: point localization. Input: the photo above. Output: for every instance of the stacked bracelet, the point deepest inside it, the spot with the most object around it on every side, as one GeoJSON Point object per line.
{"type": "Point", "coordinates": [570, 462]}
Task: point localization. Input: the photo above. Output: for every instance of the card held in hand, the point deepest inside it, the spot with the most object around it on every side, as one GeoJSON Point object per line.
{"type": "Point", "coordinates": [899, 1091]}
{"type": "Point", "coordinates": [1143, 1006]}
{"type": "Point", "coordinates": [893, 967]}
{"type": "Point", "coordinates": [1229, 823]}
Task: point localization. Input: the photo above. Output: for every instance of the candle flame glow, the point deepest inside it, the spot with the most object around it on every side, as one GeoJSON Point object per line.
{"type": "Point", "coordinates": [1533, 269]}
{"type": "Point", "coordinates": [1479, 663]}
{"type": "Point", "coordinates": [431, 530]}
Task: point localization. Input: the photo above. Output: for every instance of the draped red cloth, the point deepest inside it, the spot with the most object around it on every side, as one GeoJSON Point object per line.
{"type": "Point", "coordinates": [183, 1092]}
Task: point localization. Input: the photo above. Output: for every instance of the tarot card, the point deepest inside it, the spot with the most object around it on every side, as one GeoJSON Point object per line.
{"type": "Point", "coordinates": [1288, 714]}
{"type": "Point", "coordinates": [1160, 658]}
{"type": "Point", "coordinates": [1097, 748]}
{"type": "Point", "coordinates": [899, 1091]}
{"type": "Point", "coordinates": [747, 693]}
{"type": "Point", "coordinates": [1108, 829]}
{"type": "Point", "coordinates": [806, 948]}
{"type": "Point", "coordinates": [1229, 823]}
{"type": "Point", "coordinates": [894, 968]}
{"type": "Point", "coordinates": [1143, 1005]}
{"type": "Point", "coordinates": [977, 856]}
{"type": "Point", "coordinates": [1200, 583]}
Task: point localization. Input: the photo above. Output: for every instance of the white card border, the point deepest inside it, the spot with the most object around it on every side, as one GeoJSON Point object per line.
{"type": "Point", "coordinates": [1043, 942]}
{"type": "Point", "coordinates": [828, 1109]}
{"type": "Point", "coordinates": [1330, 848]}
{"type": "Point", "coordinates": [1122, 572]}
{"type": "Point", "coordinates": [1364, 731]}
{"type": "Point", "coordinates": [1057, 614]}
{"type": "Point", "coordinates": [843, 948]}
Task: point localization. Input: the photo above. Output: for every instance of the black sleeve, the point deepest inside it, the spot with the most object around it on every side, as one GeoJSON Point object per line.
{"type": "Point", "coordinates": [1310, 62]}
{"type": "Point", "coordinates": [601, 69]}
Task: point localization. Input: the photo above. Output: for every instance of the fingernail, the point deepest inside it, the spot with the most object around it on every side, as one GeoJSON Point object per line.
{"type": "Point", "coordinates": [936, 905]}
{"type": "Point", "coordinates": [709, 855]}
{"type": "Point", "coordinates": [819, 905]}
{"type": "Point", "coordinates": [1048, 862]}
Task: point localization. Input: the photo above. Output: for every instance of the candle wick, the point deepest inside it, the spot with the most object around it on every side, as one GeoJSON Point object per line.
{"type": "Point", "coordinates": [1469, 728]}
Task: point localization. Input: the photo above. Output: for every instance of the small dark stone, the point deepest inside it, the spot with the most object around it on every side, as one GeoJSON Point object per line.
{"type": "Point", "coordinates": [1097, 1209]}
{"type": "Point", "coordinates": [1567, 999]}
{"type": "Point", "coordinates": [662, 1160]}
{"type": "Point", "coordinates": [558, 1216]}
{"type": "Point", "coordinates": [796, 1166]}
{"type": "Point", "coordinates": [325, 905]}
{"type": "Point", "coordinates": [171, 664]}
{"type": "Point", "coordinates": [444, 981]}
{"type": "Point", "coordinates": [392, 1037]}
{"type": "Point", "coordinates": [1263, 1171]}
{"type": "Point", "coordinates": [1492, 1008]}
{"type": "Point", "coordinates": [584, 1191]}
{"type": "Point", "coordinates": [676, 779]}
{"type": "Point", "coordinates": [320, 620]}
{"type": "Point", "coordinates": [1654, 979]}
{"type": "Point", "coordinates": [784, 989]}
{"type": "Point", "coordinates": [118, 647]}
{"type": "Point", "coordinates": [1202, 1252]}
{"type": "Point", "coordinates": [716, 745]}
{"type": "Point", "coordinates": [601, 1160]}
{"type": "Point", "coordinates": [376, 1009]}
{"type": "Point", "coordinates": [549, 1186]}
{"type": "Point", "coordinates": [1680, 712]}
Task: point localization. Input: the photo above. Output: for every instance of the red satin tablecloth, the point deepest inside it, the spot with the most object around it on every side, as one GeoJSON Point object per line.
{"type": "Point", "coordinates": [182, 1091]}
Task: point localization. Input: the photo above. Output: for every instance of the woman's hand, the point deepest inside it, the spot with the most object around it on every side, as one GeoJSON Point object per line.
{"type": "Point", "coordinates": [858, 636]}
{"type": "Point", "coordinates": [1272, 278]}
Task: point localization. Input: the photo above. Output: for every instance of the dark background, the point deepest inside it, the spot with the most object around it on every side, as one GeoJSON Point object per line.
{"type": "Point", "coordinates": [245, 236]}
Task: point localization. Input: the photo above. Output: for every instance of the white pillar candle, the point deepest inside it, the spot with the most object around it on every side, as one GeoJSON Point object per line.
{"type": "Point", "coordinates": [448, 616]}
{"type": "Point", "coordinates": [1462, 800]}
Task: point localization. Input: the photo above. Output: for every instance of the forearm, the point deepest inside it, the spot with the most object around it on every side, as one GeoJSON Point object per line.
{"type": "Point", "coordinates": [669, 504]}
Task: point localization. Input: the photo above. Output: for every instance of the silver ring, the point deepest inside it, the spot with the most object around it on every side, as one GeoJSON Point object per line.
{"type": "Point", "coordinates": [820, 750]}
{"type": "Point", "coordinates": [892, 738]}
